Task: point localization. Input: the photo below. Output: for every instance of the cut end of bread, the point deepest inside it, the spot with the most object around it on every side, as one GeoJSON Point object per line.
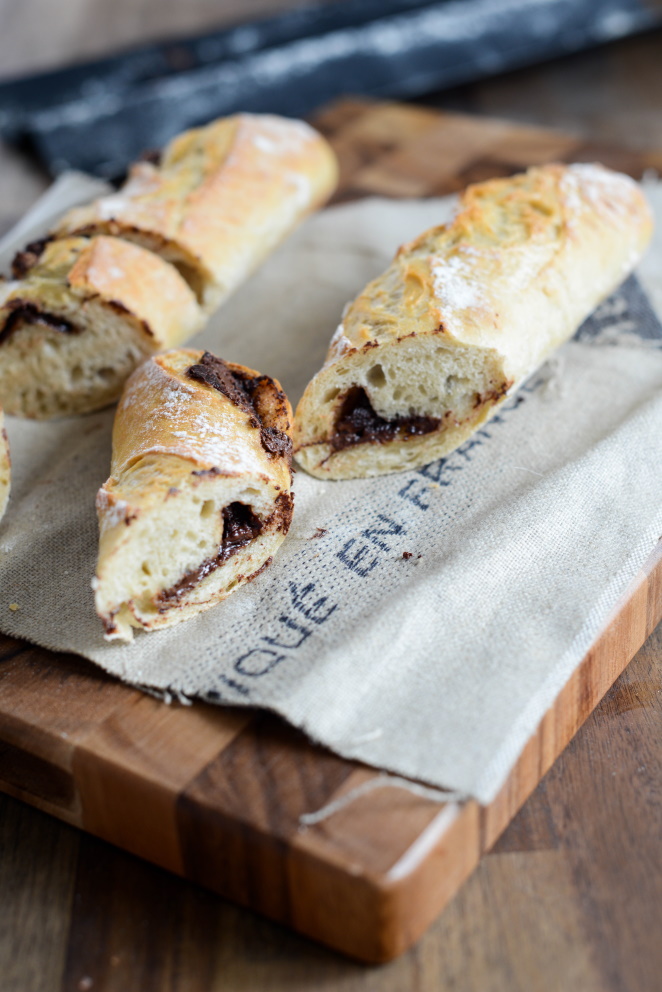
{"type": "Point", "coordinates": [191, 546]}
{"type": "Point", "coordinates": [50, 372]}
{"type": "Point", "coordinates": [395, 407]}
{"type": "Point", "coordinates": [67, 343]}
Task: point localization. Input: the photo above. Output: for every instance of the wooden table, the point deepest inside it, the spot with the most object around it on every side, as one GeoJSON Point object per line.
{"type": "Point", "coordinates": [570, 897]}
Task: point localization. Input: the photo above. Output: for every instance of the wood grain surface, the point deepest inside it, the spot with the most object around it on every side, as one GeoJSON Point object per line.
{"type": "Point", "coordinates": [216, 795]}
{"type": "Point", "coordinates": [568, 900]}
{"type": "Point", "coordinates": [571, 895]}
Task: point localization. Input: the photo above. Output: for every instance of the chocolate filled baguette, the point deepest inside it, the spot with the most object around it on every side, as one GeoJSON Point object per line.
{"type": "Point", "coordinates": [219, 200]}
{"type": "Point", "coordinates": [199, 499]}
{"type": "Point", "coordinates": [5, 466]}
{"type": "Point", "coordinates": [430, 349]}
{"type": "Point", "coordinates": [137, 272]}
{"type": "Point", "coordinates": [85, 313]}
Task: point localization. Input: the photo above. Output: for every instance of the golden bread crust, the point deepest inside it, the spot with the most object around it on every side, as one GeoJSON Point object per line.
{"type": "Point", "coordinates": [140, 282]}
{"type": "Point", "coordinates": [163, 411]}
{"type": "Point", "coordinates": [466, 311]}
{"type": "Point", "coordinates": [220, 199]}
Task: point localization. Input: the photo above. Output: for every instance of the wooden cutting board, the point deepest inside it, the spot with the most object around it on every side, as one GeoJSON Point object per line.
{"type": "Point", "coordinates": [216, 795]}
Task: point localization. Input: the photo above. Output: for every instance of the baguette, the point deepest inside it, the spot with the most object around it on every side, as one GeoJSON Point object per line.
{"type": "Point", "coordinates": [219, 201]}
{"type": "Point", "coordinates": [199, 499]}
{"type": "Point", "coordinates": [139, 271]}
{"type": "Point", "coordinates": [5, 466]}
{"type": "Point", "coordinates": [85, 314]}
{"type": "Point", "coordinates": [430, 349]}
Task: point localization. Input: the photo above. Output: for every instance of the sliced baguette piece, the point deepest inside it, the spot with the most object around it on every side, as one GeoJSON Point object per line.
{"type": "Point", "coordinates": [430, 349]}
{"type": "Point", "coordinates": [84, 315]}
{"type": "Point", "coordinates": [198, 501]}
{"type": "Point", "coordinates": [5, 466]}
{"type": "Point", "coordinates": [220, 199]}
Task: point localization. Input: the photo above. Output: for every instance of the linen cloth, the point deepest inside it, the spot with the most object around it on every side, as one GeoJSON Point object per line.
{"type": "Point", "coordinates": [438, 666]}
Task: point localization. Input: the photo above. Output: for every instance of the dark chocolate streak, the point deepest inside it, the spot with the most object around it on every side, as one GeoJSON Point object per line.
{"type": "Point", "coordinates": [241, 389]}
{"type": "Point", "coordinates": [284, 511]}
{"type": "Point", "coordinates": [24, 260]}
{"type": "Point", "coordinates": [216, 373]}
{"type": "Point", "coordinates": [29, 312]}
{"type": "Point", "coordinates": [275, 442]}
{"type": "Point", "coordinates": [240, 527]}
{"type": "Point", "coordinates": [358, 423]}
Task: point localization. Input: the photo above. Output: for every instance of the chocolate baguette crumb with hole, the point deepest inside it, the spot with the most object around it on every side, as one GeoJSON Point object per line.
{"type": "Point", "coordinates": [83, 315]}
{"type": "Point", "coordinates": [466, 312]}
{"type": "Point", "coordinates": [199, 498]}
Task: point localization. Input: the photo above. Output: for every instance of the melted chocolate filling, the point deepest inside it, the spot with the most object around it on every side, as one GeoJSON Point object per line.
{"type": "Point", "coordinates": [358, 423]}
{"type": "Point", "coordinates": [283, 513]}
{"type": "Point", "coordinates": [275, 442]}
{"type": "Point", "coordinates": [240, 526]}
{"type": "Point", "coordinates": [240, 389]}
{"type": "Point", "coordinates": [216, 373]}
{"type": "Point", "coordinates": [22, 312]}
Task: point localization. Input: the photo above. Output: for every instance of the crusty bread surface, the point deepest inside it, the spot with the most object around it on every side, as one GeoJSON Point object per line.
{"type": "Point", "coordinates": [137, 272]}
{"type": "Point", "coordinates": [5, 466]}
{"type": "Point", "coordinates": [198, 500]}
{"type": "Point", "coordinates": [87, 312]}
{"type": "Point", "coordinates": [428, 351]}
{"type": "Point", "coordinates": [220, 199]}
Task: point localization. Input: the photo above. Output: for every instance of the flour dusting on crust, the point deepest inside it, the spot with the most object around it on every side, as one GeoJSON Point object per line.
{"type": "Point", "coordinates": [456, 289]}
{"type": "Point", "coordinates": [588, 186]}
{"type": "Point", "coordinates": [339, 345]}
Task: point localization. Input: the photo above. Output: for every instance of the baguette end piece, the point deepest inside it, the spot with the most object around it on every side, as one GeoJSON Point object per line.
{"type": "Point", "coordinates": [199, 500]}
{"type": "Point", "coordinates": [465, 312]}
